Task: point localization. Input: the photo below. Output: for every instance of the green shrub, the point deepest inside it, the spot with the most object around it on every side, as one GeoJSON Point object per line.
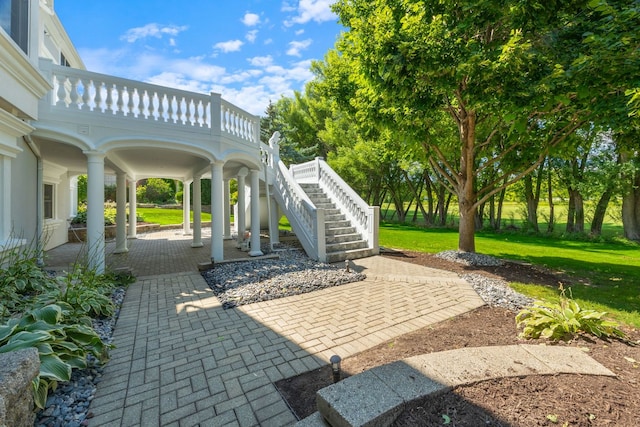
{"type": "Point", "coordinates": [563, 320]}
{"type": "Point", "coordinates": [109, 214]}
{"type": "Point", "coordinates": [155, 190]}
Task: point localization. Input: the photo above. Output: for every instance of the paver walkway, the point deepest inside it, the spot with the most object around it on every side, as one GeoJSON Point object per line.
{"type": "Point", "coordinates": [181, 360]}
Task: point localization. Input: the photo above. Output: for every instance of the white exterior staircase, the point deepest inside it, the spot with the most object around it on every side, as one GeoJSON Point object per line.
{"type": "Point", "coordinates": [329, 219]}
{"type": "Point", "coordinates": [342, 241]}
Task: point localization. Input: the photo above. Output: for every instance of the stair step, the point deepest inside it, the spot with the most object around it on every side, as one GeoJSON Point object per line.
{"type": "Point", "coordinates": [336, 231]}
{"type": "Point", "coordinates": [343, 238]}
{"type": "Point", "coordinates": [337, 224]}
{"type": "Point", "coordinates": [346, 246]}
{"type": "Point", "coordinates": [326, 205]}
{"type": "Point", "coordinates": [334, 217]}
{"type": "Point", "coordinates": [350, 254]}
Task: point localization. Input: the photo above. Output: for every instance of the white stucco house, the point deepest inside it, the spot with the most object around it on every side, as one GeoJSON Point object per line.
{"type": "Point", "coordinates": [59, 120]}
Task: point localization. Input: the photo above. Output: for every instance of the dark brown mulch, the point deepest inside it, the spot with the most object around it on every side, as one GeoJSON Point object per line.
{"type": "Point", "coordinates": [572, 400]}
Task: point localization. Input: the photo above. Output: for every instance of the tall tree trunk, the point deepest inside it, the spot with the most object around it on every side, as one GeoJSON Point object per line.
{"type": "Point", "coordinates": [575, 216]}
{"type": "Point", "coordinates": [429, 191]}
{"type": "Point", "coordinates": [500, 205]}
{"type": "Point", "coordinates": [480, 217]}
{"type": "Point", "coordinates": [631, 201]}
{"type": "Point", "coordinates": [600, 211]}
{"type": "Point", "coordinates": [551, 223]}
{"type": "Point", "coordinates": [492, 212]}
{"type": "Point", "coordinates": [532, 203]}
{"type": "Point", "coordinates": [466, 184]}
{"type": "Point", "coordinates": [579, 224]}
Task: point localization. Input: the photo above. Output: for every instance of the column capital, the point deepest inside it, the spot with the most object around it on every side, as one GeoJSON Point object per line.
{"type": "Point", "coordinates": [218, 164]}
{"type": "Point", "coordinates": [94, 155]}
{"type": "Point", "coordinates": [243, 171]}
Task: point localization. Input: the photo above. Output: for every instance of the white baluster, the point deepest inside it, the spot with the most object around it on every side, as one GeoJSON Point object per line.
{"type": "Point", "coordinates": [86, 96]}
{"type": "Point", "coordinates": [196, 113]}
{"type": "Point", "coordinates": [73, 95]}
{"type": "Point", "coordinates": [120, 101]}
{"type": "Point", "coordinates": [130, 103]}
{"type": "Point", "coordinates": [205, 115]}
{"type": "Point", "coordinates": [109, 100]}
{"type": "Point", "coordinates": [98, 97]}
{"type": "Point", "coordinates": [183, 106]}
{"type": "Point", "coordinates": [152, 106]}
{"type": "Point", "coordinates": [188, 113]}
{"type": "Point", "coordinates": [141, 108]}
{"type": "Point", "coordinates": [171, 110]}
{"type": "Point", "coordinates": [62, 92]}
{"type": "Point", "coordinates": [161, 116]}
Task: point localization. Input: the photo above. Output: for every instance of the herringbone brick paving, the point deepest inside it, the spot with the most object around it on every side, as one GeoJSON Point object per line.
{"type": "Point", "coordinates": [181, 360]}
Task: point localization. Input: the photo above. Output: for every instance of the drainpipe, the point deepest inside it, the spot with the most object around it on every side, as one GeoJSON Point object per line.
{"type": "Point", "coordinates": [39, 199]}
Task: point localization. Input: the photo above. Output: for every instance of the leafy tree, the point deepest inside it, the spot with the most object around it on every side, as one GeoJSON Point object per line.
{"type": "Point", "coordinates": [490, 66]}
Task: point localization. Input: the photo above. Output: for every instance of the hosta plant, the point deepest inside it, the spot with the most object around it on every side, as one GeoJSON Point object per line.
{"type": "Point", "coordinates": [563, 320]}
{"type": "Point", "coordinates": [87, 293]}
{"type": "Point", "coordinates": [63, 343]}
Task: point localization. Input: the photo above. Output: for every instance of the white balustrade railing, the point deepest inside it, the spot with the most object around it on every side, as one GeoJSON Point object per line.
{"type": "Point", "coordinates": [306, 220]}
{"type": "Point", "coordinates": [239, 123]}
{"type": "Point", "coordinates": [108, 96]}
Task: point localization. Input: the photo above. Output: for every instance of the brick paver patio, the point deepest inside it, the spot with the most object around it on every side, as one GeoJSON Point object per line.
{"type": "Point", "coordinates": [181, 360]}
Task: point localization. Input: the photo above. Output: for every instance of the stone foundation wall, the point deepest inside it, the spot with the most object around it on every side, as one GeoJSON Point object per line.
{"type": "Point", "coordinates": [17, 370]}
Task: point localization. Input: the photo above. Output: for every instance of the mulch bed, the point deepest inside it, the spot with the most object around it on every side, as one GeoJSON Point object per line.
{"type": "Point", "coordinates": [571, 400]}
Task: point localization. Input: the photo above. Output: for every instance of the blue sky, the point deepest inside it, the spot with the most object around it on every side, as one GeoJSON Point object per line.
{"type": "Point", "coordinates": [249, 51]}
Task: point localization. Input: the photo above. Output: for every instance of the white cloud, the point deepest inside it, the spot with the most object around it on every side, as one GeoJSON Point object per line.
{"type": "Point", "coordinates": [311, 10]}
{"type": "Point", "coordinates": [250, 19]}
{"type": "Point", "coordinates": [299, 32]}
{"type": "Point", "coordinates": [151, 30]}
{"type": "Point", "coordinates": [241, 76]}
{"type": "Point", "coordinates": [251, 36]}
{"type": "Point", "coordinates": [261, 61]}
{"type": "Point", "coordinates": [287, 7]}
{"type": "Point", "coordinates": [229, 46]}
{"type": "Point", "coordinates": [268, 41]}
{"type": "Point", "coordinates": [296, 47]}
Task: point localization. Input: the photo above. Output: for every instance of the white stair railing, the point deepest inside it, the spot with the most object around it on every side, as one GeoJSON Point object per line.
{"type": "Point", "coordinates": [363, 217]}
{"type": "Point", "coordinates": [307, 221]}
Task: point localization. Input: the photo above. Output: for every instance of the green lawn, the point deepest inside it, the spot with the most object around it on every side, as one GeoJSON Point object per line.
{"type": "Point", "coordinates": [166, 216]}
{"type": "Point", "coordinates": [612, 269]}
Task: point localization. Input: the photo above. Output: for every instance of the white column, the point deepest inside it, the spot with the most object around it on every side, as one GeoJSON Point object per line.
{"type": "Point", "coordinates": [274, 236]}
{"type": "Point", "coordinates": [121, 213]}
{"type": "Point", "coordinates": [186, 208]}
{"type": "Point", "coordinates": [133, 214]}
{"type": "Point", "coordinates": [95, 211]}
{"type": "Point", "coordinates": [217, 212]}
{"type": "Point", "coordinates": [5, 199]}
{"type": "Point", "coordinates": [227, 209]}
{"type": "Point", "coordinates": [255, 214]}
{"type": "Point", "coordinates": [197, 213]}
{"type": "Point", "coordinates": [73, 196]}
{"type": "Point", "coordinates": [241, 224]}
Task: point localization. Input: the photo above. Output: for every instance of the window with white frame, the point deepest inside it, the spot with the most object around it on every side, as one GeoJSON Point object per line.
{"type": "Point", "coordinates": [14, 19]}
{"type": "Point", "coordinates": [48, 194]}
